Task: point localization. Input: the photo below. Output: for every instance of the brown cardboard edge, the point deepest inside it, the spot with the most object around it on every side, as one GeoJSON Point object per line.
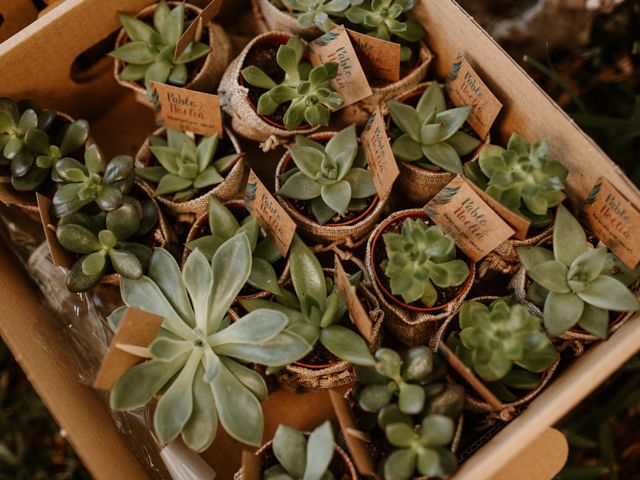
{"type": "Point", "coordinates": [360, 318]}
{"type": "Point", "coordinates": [251, 466]}
{"type": "Point", "coordinates": [59, 255]}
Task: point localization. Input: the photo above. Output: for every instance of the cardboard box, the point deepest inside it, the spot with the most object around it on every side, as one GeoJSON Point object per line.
{"type": "Point", "coordinates": [37, 63]}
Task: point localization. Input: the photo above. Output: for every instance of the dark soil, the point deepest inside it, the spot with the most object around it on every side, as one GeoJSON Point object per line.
{"type": "Point", "coordinates": [445, 295]}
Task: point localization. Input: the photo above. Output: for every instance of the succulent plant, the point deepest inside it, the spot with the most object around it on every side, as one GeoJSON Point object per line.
{"type": "Point", "coordinates": [333, 178]}
{"type": "Point", "coordinates": [421, 258]}
{"type": "Point", "coordinates": [150, 50]}
{"type": "Point", "coordinates": [299, 458]}
{"type": "Point", "coordinates": [495, 337]}
{"type": "Point", "coordinates": [198, 359]}
{"type": "Point", "coordinates": [318, 12]}
{"type": "Point", "coordinates": [421, 448]}
{"type": "Point", "coordinates": [407, 384]}
{"type": "Point", "coordinates": [521, 178]}
{"type": "Point", "coordinates": [28, 147]}
{"type": "Point", "coordinates": [579, 282]}
{"type": "Point", "coordinates": [223, 225]}
{"type": "Point", "coordinates": [431, 138]}
{"type": "Point", "coordinates": [315, 310]}
{"type": "Point", "coordinates": [307, 88]}
{"type": "Point", "coordinates": [384, 19]}
{"type": "Point", "coordinates": [106, 240]}
{"type": "Point", "coordinates": [82, 184]}
{"type": "Point", "coordinates": [184, 166]}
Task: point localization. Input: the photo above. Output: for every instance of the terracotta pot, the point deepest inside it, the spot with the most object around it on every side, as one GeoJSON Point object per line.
{"type": "Point", "coordinates": [348, 232]}
{"type": "Point", "coordinates": [411, 325]}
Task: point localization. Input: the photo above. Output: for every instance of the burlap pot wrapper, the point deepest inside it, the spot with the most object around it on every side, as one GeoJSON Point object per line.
{"type": "Point", "coordinates": [231, 188]}
{"type": "Point", "coordinates": [234, 98]}
{"type": "Point", "coordinates": [298, 378]}
{"type": "Point", "coordinates": [340, 234]}
{"type": "Point", "coordinates": [411, 327]}
{"type": "Point", "coordinates": [268, 18]}
{"type": "Point", "coordinates": [581, 338]}
{"type": "Point", "coordinates": [200, 225]}
{"type": "Point", "coordinates": [350, 467]}
{"type": "Point", "coordinates": [419, 185]}
{"type": "Point", "coordinates": [209, 75]}
{"type": "Point", "coordinates": [475, 403]}
{"type": "Point", "coordinates": [360, 112]}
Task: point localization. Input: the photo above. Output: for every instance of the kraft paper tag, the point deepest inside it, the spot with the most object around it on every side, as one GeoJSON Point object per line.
{"type": "Point", "coordinates": [251, 466]}
{"type": "Point", "coordinates": [379, 58]}
{"type": "Point", "coordinates": [615, 221]}
{"type": "Point", "coordinates": [352, 436]}
{"type": "Point", "coordinates": [59, 255]}
{"type": "Point", "coordinates": [466, 88]}
{"type": "Point", "coordinates": [194, 31]}
{"type": "Point", "coordinates": [186, 110]}
{"type": "Point", "coordinates": [137, 328]}
{"type": "Point", "coordinates": [519, 223]}
{"type": "Point", "coordinates": [273, 218]}
{"type": "Point", "coordinates": [357, 312]}
{"type": "Point", "coordinates": [462, 214]}
{"type": "Point", "coordinates": [377, 148]}
{"type": "Point", "coordinates": [351, 81]}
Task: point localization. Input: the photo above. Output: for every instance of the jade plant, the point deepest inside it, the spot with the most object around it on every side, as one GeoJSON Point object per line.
{"type": "Point", "coordinates": [419, 450]}
{"type": "Point", "coordinates": [384, 19]}
{"type": "Point", "coordinates": [333, 177]}
{"type": "Point", "coordinates": [223, 225]}
{"type": "Point", "coordinates": [575, 283]}
{"type": "Point", "coordinates": [29, 146]}
{"type": "Point", "coordinates": [107, 242]}
{"type": "Point", "coordinates": [149, 53]}
{"type": "Point", "coordinates": [431, 136]}
{"type": "Point", "coordinates": [299, 458]}
{"type": "Point", "coordinates": [306, 89]}
{"type": "Point", "coordinates": [185, 166]}
{"type": "Point", "coordinates": [521, 178]}
{"type": "Point", "coordinates": [84, 183]}
{"type": "Point", "coordinates": [320, 13]}
{"type": "Point", "coordinates": [496, 338]}
{"type": "Point", "coordinates": [197, 361]}
{"type": "Point", "coordinates": [420, 260]}
{"type": "Point", "coordinates": [317, 308]}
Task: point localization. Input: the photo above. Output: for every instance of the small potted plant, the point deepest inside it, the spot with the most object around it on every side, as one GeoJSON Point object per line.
{"type": "Point", "coordinates": [409, 413]}
{"type": "Point", "coordinates": [581, 287]}
{"type": "Point", "coordinates": [269, 270]}
{"type": "Point", "coordinates": [296, 455]}
{"type": "Point", "coordinates": [299, 17]}
{"type": "Point", "coordinates": [417, 273]}
{"type": "Point", "coordinates": [32, 140]}
{"type": "Point", "coordinates": [524, 180]}
{"type": "Point", "coordinates": [105, 220]}
{"type": "Point", "coordinates": [197, 361]}
{"type": "Point", "coordinates": [505, 346]}
{"type": "Point", "coordinates": [319, 313]}
{"type": "Point", "coordinates": [430, 141]}
{"type": "Point", "coordinates": [324, 185]}
{"type": "Point", "coordinates": [187, 169]}
{"type": "Point", "coordinates": [145, 47]}
{"type": "Point", "coordinates": [271, 90]}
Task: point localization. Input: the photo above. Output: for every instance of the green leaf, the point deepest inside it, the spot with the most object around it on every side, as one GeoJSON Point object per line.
{"type": "Point", "coordinates": [198, 280]}
{"type": "Point", "coordinates": [431, 133]}
{"type": "Point", "coordinates": [109, 198]}
{"type": "Point", "coordinates": [432, 100]}
{"type": "Point", "coordinates": [407, 149]}
{"type": "Point", "coordinates": [200, 430]}
{"type": "Point", "coordinates": [321, 444]}
{"type": "Point", "coordinates": [337, 196]}
{"type": "Point", "coordinates": [124, 221]}
{"type": "Point", "coordinates": [539, 360]}
{"type": "Point", "coordinates": [126, 263]}
{"type": "Point", "coordinates": [444, 156]}
{"type": "Point", "coordinates": [171, 183]}
{"type": "Point", "coordinates": [290, 448]}
{"type": "Point", "coordinates": [248, 377]}
{"type": "Point", "coordinates": [208, 177]}
{"type": "Point", "coordinates": [136, 53]}
{"type": "Point", "coordinates": [608, 293]}
{"type": "Point", "coordinates": [569, 240]}
{"type": "Point", "coordinates": [400, 434]}
{"type": "Point", "coordinates": [257, 327]}
{"type": "Point", "coordinates": [400, 465]}
{"type": "Point", "coordinates": [174, 25]}
{"type": "Point", "coordinates": [463, 143]}
{"type": "Point", "coordinates": [37, 141]}
{"type": "Point", "coordinates": [194, 51]}
{"type": "Point", "coordinates": [533, 256]}
{"type": "Point", "coordinates": [452, 120]}
{"type": "Point", "coordinates": [406, 118]}
{"type": "Point", "coordinates": [314, 115]}
{"type": "Point", "coordinates": [287, 59]}
{"type": "Point", "coordinates": [263, 276]}
{"type": "Point", "coordinates": [411, 398]}
{"type": "Point", "coordinates": [299, 186]}
{"type": "Point", "coordinates": [595, 321]}
{"type": "Point", "coordinates": [437, 430]}
{"type": "Point", "coordinates": [373, 397]}
{"type": "Point", "coordinates": [158, 71]}
{"type": "Point", "coordinates": [561, 312]}
{"type": "Point", "coordinates": [306, 273]}
{"type": "Point", "coordinates": [307, 159]}
{"type": "Point", "coordinates": [588, 265]}
{"type": "Point", "coordinates": [551, 275]}
{"type": "Point", "coordinates": [77, 239]}
{"type": "Point", "coordinates": [361, 183]}
{"type": "Point", "coordinates": [94, 263]}
{"type": "Point", "coordinates": [137, 30]}
{"type": "Point", "coordinates": [342, 149]}
{"type": "Point", "coordinates": [178, 75]}
{"type": "Point", "coordinates": [160, 16]}
{"type": "Point", "coordinates": [295, 114]}
{"type": "Point", "coordinates": [346, 345]}
{"type": "Point", "coordinates": [132, 73]}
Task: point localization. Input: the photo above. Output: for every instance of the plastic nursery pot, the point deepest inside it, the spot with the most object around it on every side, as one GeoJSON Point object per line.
{"type": "Point", "coordinates": [204, 74]}
{"type": "Point", "coordinates": [472, 401]}
{"type": "Point", "coordinates": [201, 226]}
{"type": "Point", "coordinates": [268, 17]}
{"type": "Point", "coordinates": [302, 376]}
{"type": "Point", "coordinates": [579, 337]}
{"type": "Point", "coordinates": [347, 232]}
{"type": "Point", "coordinates": [419, 185]}
{"type": "Point", "coordinates": [237, 98]}
{"type": "Point", "coordinates": [360, 112]}
{"type": "Point", "coordinates": [410, 324]}
{"type": "Point", "coordinates": [235, 178]}
{"type": "Point", "coordinates": [341, 465]}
